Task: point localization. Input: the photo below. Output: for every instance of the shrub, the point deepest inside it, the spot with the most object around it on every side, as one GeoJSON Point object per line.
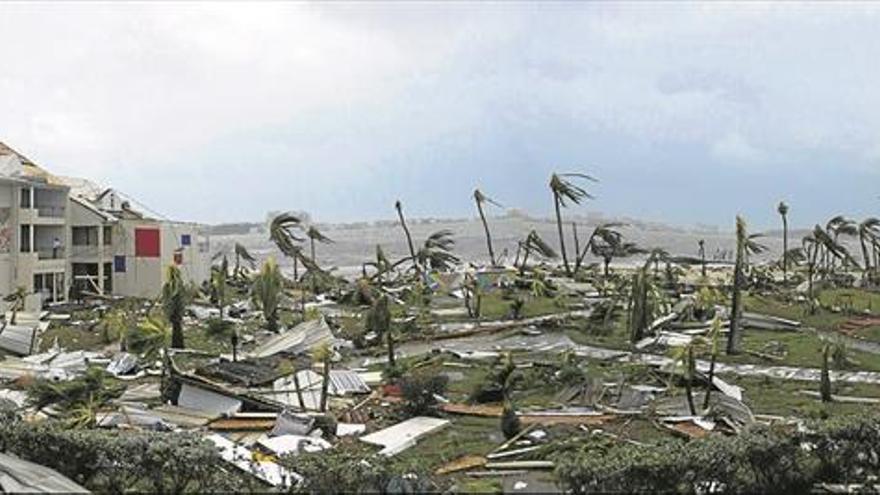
{"type": "Point", "coordinates": [114, 461]}
{"type": "Point", "coordinates": [356, 469]}
{"type": "Point", "coordinates": [420, 391]}
{"type": "Point", "coordinates": [759, 460]}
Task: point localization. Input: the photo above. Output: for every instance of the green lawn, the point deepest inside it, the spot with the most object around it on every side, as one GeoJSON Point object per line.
{"type": "Point", "coordinates": [781, 397]}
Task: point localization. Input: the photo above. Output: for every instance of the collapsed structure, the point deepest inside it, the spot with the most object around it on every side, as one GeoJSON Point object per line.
{"type": "Point", "coordinates": [63, 236]}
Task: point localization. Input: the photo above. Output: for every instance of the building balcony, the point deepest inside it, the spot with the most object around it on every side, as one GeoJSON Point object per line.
{"type": "Point", "coordinates": [50, 254]}
{"type": "Point", "coordinates": [51, 211]}
{"type": "Point", "coordinates": [43, 215]}
{"type": "Point", "coordinates": [91, 252]}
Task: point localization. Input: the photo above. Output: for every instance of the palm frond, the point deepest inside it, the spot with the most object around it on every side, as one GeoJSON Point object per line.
{"type": "Point", "coordinates": [314, 234]}
{"type": "Point", "coordinates": [282, 231]}
{"type": "Point", "coordinates": [479, 197]}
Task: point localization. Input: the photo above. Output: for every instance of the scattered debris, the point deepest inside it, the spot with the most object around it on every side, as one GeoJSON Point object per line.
{"type": "Point", "coordinates": [21, 476]}
{"type": "Point", "coordinates": [402, 436]}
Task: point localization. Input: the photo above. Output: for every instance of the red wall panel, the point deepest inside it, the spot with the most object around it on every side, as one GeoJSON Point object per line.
{"type": "Point", "coordinates": [147, 243]}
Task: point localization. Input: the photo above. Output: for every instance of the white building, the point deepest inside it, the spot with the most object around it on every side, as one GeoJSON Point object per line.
{"type": "Point", "coordinates": [60, 233]}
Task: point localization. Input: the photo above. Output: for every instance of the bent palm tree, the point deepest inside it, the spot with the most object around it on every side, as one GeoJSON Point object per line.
{"type": "Point", "coordinates": [175, 296]}
{"type": "Point", "coordinates": [606, 232]}
{"type": "Point", "coordinates": [564, 190]}
{"type": "Point", "coordinates": [836, 227]}
{"type": "Point", "coordinates": [241, 253]}
{"type": "Point", "coordinates": [436, 253]}
{"type": "Point", "coordinates": [534, 243]}
{"type": "Point", "coordinates": [869, 233]}
{"type": "Point", "coordinates": [782, 209]}
{"type": "Point", "coordinates": [283, 232]}
{"type": "Point", "coordinates": [479, 199]}
{"type": "Point", "coordinates": [314, 236]}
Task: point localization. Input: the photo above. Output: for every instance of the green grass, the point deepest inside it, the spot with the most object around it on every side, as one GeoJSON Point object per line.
{"type": "Point", "coordinates": [781, 397]}
{"type": "Point", "coordinates": [466, 435]}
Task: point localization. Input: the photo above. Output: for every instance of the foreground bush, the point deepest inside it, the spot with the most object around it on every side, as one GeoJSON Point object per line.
{"type": "Point", "coordinates": [116, 461]}
{"type": "Point", "coordinates": [759, 460]}
{"type": "Point", "coordinates": [353, 468]}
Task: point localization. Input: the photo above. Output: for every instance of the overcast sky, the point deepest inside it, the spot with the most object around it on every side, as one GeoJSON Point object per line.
{"type": "Point", "coordinates": [687, 113]}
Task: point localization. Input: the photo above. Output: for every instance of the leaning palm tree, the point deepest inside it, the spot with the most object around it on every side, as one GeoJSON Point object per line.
{"type": "Point", "coordinates": [836, 227]}
{"type": "Point", "coordinates": [266, 292]}
{"type": "Point", "coordinates": [314, 236]}
{"type": "Point", "coordinates": [534, 243]}
{"type": "Point", "coordinates": [821, 245]}
{"type": "Point", "coordinates": [436, 253]}
{"type": "Point", "coordinates": [782, 209]}
{"type": "Point", "coordinates": [869, 233]}
{"type": "Point", "coordinates": [479, 199]}
{"type": "Point", "coordinates": [604, 232]}
{"type": "Point", "coordinates": [409, 242]}
{"type": "Point", "coordinates": [241, 253]}
{"type": "Point", "coordinates": [322, 353]}
{"type": "Point", "coordinates": [283, 231]}
{"type": "Point", "coordinates": [175, 296]}
{"type": "Point", "coordinates": [564, 190]}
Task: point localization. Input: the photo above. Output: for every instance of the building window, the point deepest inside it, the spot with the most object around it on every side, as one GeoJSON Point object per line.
{"type": "Point", "coordinates": [119, 264]}
{"type": "Point", "coordinates": [84, 236]}
{"type": "Point", "coordinates": [147, 243]}
{"type": "Point", "coordinates": [25, 238]}
{"type": "Point", "coordinates": [186, 240]}
{"type": "Point", "coordinates": [108, 235]}
{"type": "Point", "coordinates": [25, 197]}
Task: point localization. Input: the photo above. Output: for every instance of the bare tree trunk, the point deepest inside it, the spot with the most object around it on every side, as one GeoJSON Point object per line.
{"type": "Point", "coordinates": [561, 235]}
{"type": "Point", "coordinates": [784, 250]}
{"type": "Point", "coordinates": [299, 394]}
{"type": "Point", "coordinates": [488, 234]}
{"type": "Point", "coordinates": [409, 242]}
{"type": "Point", "coordinates": [711, 376]}
{"type": "Point", "coordinates": [325, 385]}
{"type": "Point", "coordinates": [689, 388]}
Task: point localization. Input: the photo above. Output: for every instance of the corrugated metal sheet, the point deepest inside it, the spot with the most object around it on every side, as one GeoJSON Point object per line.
{"type": "Point", "coordinates": [20, 476]}
{"type": "Point", "coordinates": [192, 397]}
{"type": "Point", "coordinates": [18, 339]}
{"type": "Point", "coordinates": [298, 340]}
{"type": "Point", "coordinates": [342, 383]}
{"type": "Point", "coordinates": [180, 416]}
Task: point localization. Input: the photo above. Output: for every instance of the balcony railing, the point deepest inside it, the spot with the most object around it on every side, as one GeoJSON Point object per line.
{"type": "Point", "coordinates": [50, 253]}
{"type": "Point", "coordinates": [51, 211]}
